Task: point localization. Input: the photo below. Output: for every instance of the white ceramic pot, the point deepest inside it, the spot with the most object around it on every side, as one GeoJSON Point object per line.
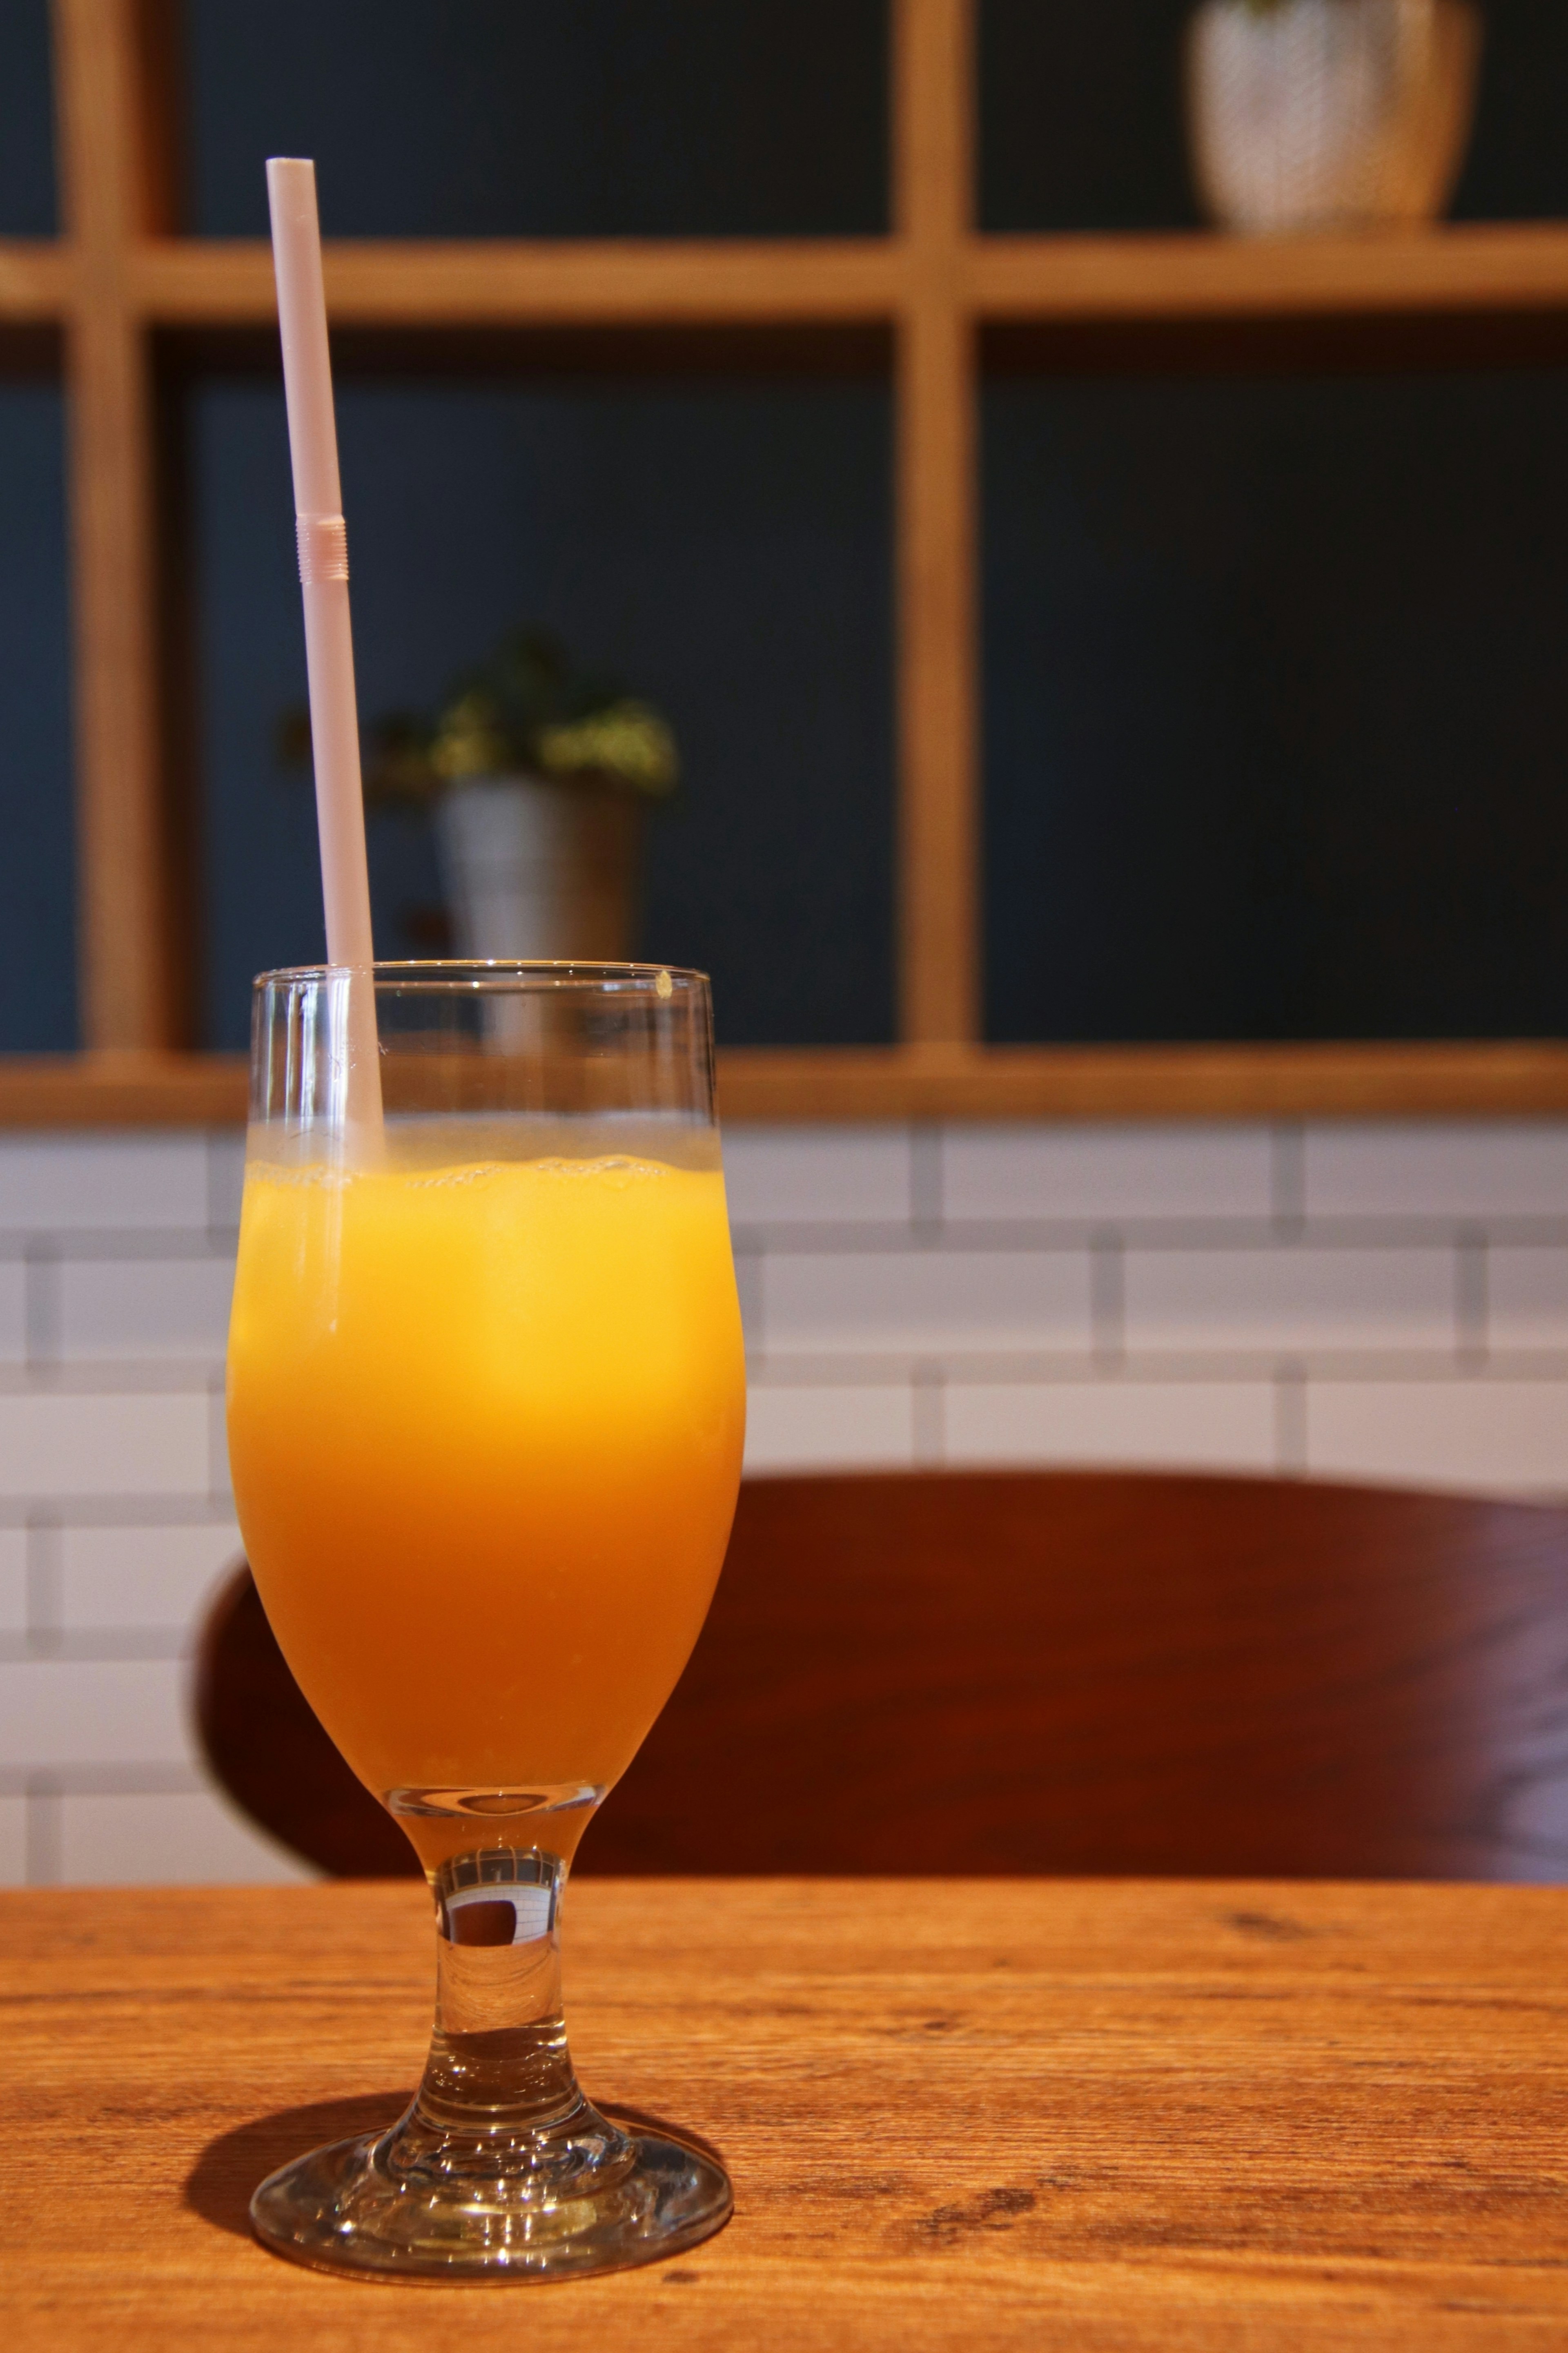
{"type": "Point", "coordinates": [1321, 114]}
{"type": "Point", "coordinates": [536, 869]}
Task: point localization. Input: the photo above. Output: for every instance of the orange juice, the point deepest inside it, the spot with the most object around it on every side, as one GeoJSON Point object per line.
{"type": "Point", "coordinates": [485, 1422]}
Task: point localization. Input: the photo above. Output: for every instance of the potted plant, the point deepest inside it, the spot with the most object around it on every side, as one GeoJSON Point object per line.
{"type": "Point", "coordinates": [537, 775]}
{"type": "Point", "coordinates": [1323, 114]}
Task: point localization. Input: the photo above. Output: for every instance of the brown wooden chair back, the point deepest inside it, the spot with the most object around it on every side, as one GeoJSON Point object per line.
{"type": "Point", "coordinates": [1053, 1672]}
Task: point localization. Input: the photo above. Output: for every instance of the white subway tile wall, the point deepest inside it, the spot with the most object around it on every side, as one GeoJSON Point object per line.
{"type": "Point", "coordinates": [58, 1441]}
{"type": "Point", "coordinates": [119, 1310]}
{"type": "Point", "coordinates": [118, 1835]}
{"type": "Point", "coordinates": [1273, 1298]}
{"type": "Point", "coordinates": [152, 1578]}
{"type": "Point", "coordinates": [1527, 1295]}
{"type": "Point", "coordinates": [1485, 1169]}
{"type": "Point", "coordinates": [60, 1712]}
{"type": "Point", "coordinates": [116, 1262]}
{"type": "Point", "coordinates": [86, 1184]}
{"type": "Point", "coordinates": [1498, 1434]}
{"type": "Point", "coordinates": [1171, 1425]}
{"type": "Point", "coordinates": [840, 1176]}
{"type": "Point", "coordinates": [1098, 1173]}
{"type": "Point", "coordinates": [1384, 1300]}
{"type": "Point", "coordinates": [932, 1302]}
{"type": "Point", "coordinates": [817, 1428]}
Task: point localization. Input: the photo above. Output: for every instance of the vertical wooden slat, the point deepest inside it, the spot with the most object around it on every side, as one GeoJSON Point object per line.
{"type": "Point", "coordinates": [936, 495]}
{"type": "Point", "coordinates": [128, 998]}
{"type": "Point", "coordinates": [158, 102]}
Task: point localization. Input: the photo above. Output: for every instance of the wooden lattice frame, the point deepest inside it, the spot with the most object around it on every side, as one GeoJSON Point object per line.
{"type": "Point", "coordinates": [121, 273]}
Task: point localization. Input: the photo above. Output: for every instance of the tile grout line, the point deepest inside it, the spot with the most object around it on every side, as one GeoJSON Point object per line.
{"type": "Point", "coordinates": [1288, 1179]}
{"type": "Point", "coordinates": [210, 1149]}
{"type": "Point", "coordinates": [101, 1646]}
{"type": "Point", "coordinates": [1291, 1419]}
{"type": "Point", "coordinates": [1184, 1232]}
{"type": "Point", "coordinates": [184, 1509]}
{"type": "Point", "coordinates": [928, 1415]}
{"type": "Point", "coordinates": [46, 1579]}
{"type": "Point", "coordinates": [1434, 1367]}
{"type": "Point", "coordinates": [41, 1307]}
{"type": "Point", "coordinates": [103, 1780]}
{"type": "Point", "coordinates": [926, 1184]}
{"type": "Point", "coordinates": [1471, 1301]}
{"type": "Point", "coordinates": [1108, 1300]}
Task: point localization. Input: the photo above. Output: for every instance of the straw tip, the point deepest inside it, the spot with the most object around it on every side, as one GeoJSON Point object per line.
{"type": "Point", "coordinates": [292, 178]}
{"type": "Point", "coordinates": [292, 198]}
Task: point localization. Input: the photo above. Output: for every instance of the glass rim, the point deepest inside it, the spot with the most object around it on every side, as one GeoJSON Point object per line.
{"type": "Point", "coordinates": [483, 975]}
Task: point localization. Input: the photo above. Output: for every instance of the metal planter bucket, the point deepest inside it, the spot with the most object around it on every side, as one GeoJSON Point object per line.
{"type": "Point", "coordinates": [1323, 114]}
{"type": "Point", "coordinates": [536, 869]}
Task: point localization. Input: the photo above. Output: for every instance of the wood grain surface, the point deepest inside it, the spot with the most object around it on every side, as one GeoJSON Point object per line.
{"type": "Point", "coordinates": [1138, 1674]}
{"type": "Point", "coordinates": [1108, 2115]}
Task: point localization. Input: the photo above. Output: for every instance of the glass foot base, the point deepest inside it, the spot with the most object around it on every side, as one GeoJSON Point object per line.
{"type": "Point", "coordinates": [415, 2203]}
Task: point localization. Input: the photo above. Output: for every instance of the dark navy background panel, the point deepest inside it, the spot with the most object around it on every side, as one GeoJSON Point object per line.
{"type": "Point", "coordinates": [544, 117]}
{"type": "Point", "coordinates": [1080, 115]}
{"type": "Point", "coordinates": [1277, 708]}
{"type": "Point", "coordinates": [38, 872]}
{"type": "Point", "coordinates": [722, 547]}
{"type": "Point", "coordinates": [28, 204]}
{"type": "Point", "coordinates": [37, 930]}
{"type": "Point", "coordinates": [1083, 123]}
{"type": "Point", "coordinates": [1517, 167]}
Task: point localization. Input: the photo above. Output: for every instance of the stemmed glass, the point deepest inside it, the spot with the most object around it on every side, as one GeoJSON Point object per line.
{"type": "Point", "coordinates": [486, 1403]}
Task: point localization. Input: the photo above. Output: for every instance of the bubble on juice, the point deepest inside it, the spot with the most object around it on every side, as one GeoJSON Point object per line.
{"type": "Point", "coordinates": [297, 1174]}
{"type": "Point", "coordinates": [475, 1172]}
{"type": "Point", "coordinates": [614, 1170]}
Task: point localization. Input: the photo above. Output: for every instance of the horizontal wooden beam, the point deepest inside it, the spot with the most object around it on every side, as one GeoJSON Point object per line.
{"type": "Point", "coordinates": [37, 281]}
{"type": "Point", "coordinates": [1132, 280]}
{"type": "Point", "coordinates": [499, 282]}
{"type": "Point", "coordinates": [1472, 268]}
{"type": "Point", "coordinates": [1135, 1083]}
{"type": "Point", "coordinates": [1510, 1079]}
{"type": "Point", "coordinates": [122, 1089]}
{"type": "Point", "coordinates": [1465, 270]}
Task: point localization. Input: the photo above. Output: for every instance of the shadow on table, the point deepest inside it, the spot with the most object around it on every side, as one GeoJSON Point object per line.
{"type": "Point", "coordinates": [219, 2185]}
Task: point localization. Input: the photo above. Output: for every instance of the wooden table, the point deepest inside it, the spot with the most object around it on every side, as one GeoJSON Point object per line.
{"type": "Point", "coordinates": [1047, 2114]}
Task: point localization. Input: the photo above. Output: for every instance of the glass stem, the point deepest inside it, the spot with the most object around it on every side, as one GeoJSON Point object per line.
{"type": "Point", "coordinates": [499, 2065]}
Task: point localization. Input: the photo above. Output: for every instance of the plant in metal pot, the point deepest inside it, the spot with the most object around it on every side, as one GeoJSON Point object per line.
{"type": "Point", "coordinates": [537, 775]}
{"type": "Point", "coordinates": [1324, 114]}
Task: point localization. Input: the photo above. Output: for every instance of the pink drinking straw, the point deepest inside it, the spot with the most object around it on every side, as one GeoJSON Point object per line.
{"type": "Point", "coordinates": [329, 639]}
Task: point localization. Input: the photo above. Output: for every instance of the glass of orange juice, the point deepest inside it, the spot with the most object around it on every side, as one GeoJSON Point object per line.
{"type": "Point", "coordinates": [486, 1405]}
